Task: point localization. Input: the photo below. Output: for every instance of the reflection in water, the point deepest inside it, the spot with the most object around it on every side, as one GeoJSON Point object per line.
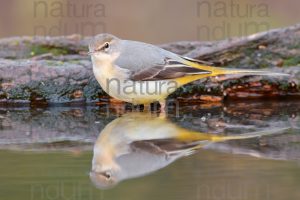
{"type": "Point", "coordinates": [62, 139]}
{"type": "Point", "coordinates": [137, 144]}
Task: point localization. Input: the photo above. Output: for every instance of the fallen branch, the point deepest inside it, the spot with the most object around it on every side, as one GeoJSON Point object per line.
{"type": "Point", "coordinates": [47, 70]}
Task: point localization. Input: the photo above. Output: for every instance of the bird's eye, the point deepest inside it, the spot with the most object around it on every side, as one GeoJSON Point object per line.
{"type": "Point", "coordinates": [103, 47]}
{"type": "Point", "coordinates": [107, 175]}
{"type": "Point", "coordinates": [106, 45]}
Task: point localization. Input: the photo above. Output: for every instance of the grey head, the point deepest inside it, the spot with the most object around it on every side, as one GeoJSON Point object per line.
{"type": "Point", "coordinates": [103, 180]}
{"type": "Point", "coordinates": [143, 158]}
{"type": "Point", "coordinates": [104, 44]}
{"type": "Point", "coordinates": [135, 164]}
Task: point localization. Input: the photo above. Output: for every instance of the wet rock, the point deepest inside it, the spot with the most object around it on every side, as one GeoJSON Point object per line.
{"type": "Point", "coordinates": [40, 128]}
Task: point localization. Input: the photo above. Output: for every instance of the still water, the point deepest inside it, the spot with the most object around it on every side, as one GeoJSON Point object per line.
{"type": "Point", "coordinates": [241, 151]}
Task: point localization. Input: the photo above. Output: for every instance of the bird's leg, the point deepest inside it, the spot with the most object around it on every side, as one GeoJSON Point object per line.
{"type": "Point", "coordinates": [153, 107]}
{"type": "Point", "coordinates": [163, 106]}
{"type": "Point", "coordinates": [136, 107]}
{"type": "Point", "coordinates": [120, 109]}
{"type": "Point", "coordinates": [117, 105]}
{"type": "Point", "coordinates": [147, 107]}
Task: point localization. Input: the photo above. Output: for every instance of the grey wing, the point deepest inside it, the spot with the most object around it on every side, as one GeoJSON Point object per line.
{"type": "Point", "coordinates": [146, 62]}
{"type": "Point", "coordinates": [169, 147]}
{"type": "Point", "coordinates": [168, 70]}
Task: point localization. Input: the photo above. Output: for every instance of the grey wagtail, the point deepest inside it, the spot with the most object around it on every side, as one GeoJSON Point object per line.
{"type": "Point", "coordinates": [137, 144]}
{"type": "Point", "coordinates": [142, 73]}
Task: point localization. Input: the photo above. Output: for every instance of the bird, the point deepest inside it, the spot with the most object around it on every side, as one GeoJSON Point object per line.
{"type": "Point", "coordinates": [140, 143]}
{"type": "Point", "coordinates": [142, 73]}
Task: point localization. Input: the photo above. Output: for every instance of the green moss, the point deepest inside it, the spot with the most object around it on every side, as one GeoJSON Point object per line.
{"type": "Point", "coordinates": [54, 63]}
{"type": "Point", "coordinates": [295, 45]}
{"type": "Point", "coordinates": [284, 86]}
{"type": "Point", "coordinates": [264, 64]}
{"type": "Point", "coordinates": [16, 43]}
{"type": "Point", "coordinates": [249, 51]}
{"type": "Point", "coordinates": [18, 93]}
{"type": "Point", "coordinates": [40, 49]}
{"type": "Point", "coordinates": [292, 61]}
{"type": "Point", "coordinates": [74, 61]}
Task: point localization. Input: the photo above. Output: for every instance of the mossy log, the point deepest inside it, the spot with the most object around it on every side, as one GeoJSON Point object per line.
{"type": "Point", "coordinates": [50, 70]}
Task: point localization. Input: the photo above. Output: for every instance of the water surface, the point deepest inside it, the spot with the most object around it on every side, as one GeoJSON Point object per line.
{"type": "Point", "coordinates": [47, 153]}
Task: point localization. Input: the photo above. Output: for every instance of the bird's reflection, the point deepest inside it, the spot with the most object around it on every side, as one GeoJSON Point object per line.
{"type": "Point", "coordinates": [137, 144]}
